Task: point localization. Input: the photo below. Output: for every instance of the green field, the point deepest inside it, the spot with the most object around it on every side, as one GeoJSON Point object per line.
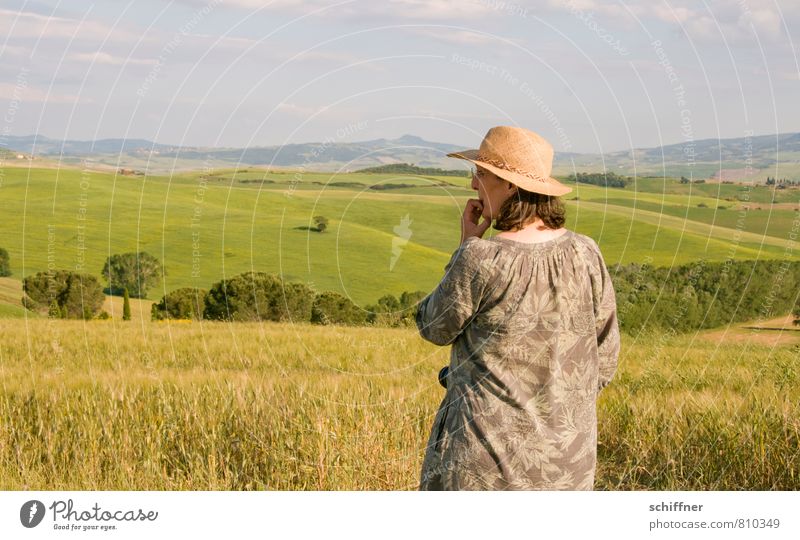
{"type": "Point", "coordinates": [177, 405]}
{"type": "Point", "coordinates": [107, 405]}
{"type": "Point", "coordinates": [231, 222]}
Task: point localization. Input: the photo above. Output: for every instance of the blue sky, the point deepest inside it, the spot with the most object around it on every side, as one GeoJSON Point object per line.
{"type": "Point", "coordinates": [588, 75]}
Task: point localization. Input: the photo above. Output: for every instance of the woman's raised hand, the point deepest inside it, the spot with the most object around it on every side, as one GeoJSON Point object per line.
{"type": "Point", "coordinates": [470, 225]}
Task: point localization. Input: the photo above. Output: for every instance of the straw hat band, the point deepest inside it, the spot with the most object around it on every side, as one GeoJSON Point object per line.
{"type": "Point", "coordinates": [509, 167]}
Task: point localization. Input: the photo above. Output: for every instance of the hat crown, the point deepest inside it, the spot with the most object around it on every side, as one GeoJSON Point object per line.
{"type": "Point", "coordinates": [515, 148]}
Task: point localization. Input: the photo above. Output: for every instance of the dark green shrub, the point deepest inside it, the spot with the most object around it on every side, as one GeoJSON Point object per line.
{"type": "Point", "coordinates": [185, 303]}
{"type": "Point", "coordinates": [258, 296]}
{"type": "Point", "coordinates": [333, 308]}
{"type": "Point", "coordinates": [63, 293]}
{"type": "Point", "coordinates": [5, 263]}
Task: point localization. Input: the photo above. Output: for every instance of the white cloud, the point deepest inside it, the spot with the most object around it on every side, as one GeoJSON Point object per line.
{"type": "Point", "coordinates": [387, 9]}
{"type": "Point", "coordinates": [108, 59]}
{"type": "Point", "coordinates": [736, 20]}
{"type": "Point", "coordinates": [24, 24]}
{"type": "Point", "coordinates": [459, 37]}
{"type": "Point", "coordinates": [299, 110]}
{"type": "Point", "coordinates": [28, 93]}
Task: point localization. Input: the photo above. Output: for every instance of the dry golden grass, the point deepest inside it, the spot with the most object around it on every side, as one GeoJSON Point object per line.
{"type": "Point", "coordinates": [112, 405]}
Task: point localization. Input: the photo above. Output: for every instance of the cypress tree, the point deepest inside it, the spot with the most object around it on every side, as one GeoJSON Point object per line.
{"type": "Point", "coordinates": [126, 306]}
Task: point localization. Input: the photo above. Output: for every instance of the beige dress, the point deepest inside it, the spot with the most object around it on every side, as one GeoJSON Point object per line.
{"type": "Point", "coordinates": [534, 335]}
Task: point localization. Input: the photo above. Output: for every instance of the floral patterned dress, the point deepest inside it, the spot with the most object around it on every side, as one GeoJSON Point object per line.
{"type": "Point", "coordinates": [535, 338]}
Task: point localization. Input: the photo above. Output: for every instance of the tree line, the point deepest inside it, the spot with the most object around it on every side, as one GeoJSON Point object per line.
{"type": "Point", "coordinates": [410, 168]}
{"type": "Point", "coordinates": [705, 294]}
{"type": "Point", "coordinates": [605, 179]}
{"type": "Point", "coordinates": [694, 296]}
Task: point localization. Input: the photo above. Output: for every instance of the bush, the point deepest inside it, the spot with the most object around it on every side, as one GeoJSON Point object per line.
{"type": "Point", "coordinates": [5, 263]}
{"type": "Point", "coordinates": [391, 311]}
{"type": "Point", "coordinates": [322, 223]}
{"type": "Point", "coordinates": [185, 303]}
{"type": "Point", "coordinates": [258, 296]}
{"type": "Point", "coordinates": [333, 308]}
{"type": "Point", "coordinates": [65, 294]}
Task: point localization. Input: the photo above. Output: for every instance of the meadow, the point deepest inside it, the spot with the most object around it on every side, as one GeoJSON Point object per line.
{"type": "Point", "coordinates": [142, 405]}
{"type": "Point", "coordinates": [206, 226]}
{"type": "Point", "coordinates": [107, 405]}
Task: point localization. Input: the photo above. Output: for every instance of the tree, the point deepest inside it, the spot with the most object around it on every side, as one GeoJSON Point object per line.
{"type": "Point", "coordinates": [126, 306]}
{"type": "Point", "coordinates": [322, 223]}
{"type": "Point", "coordinates": [391, 311]}
{"type": "Point", "coordinates": [5, 263]}
{"type": "Point", "coordinates": [136, 271]}
{"type": "Point", "coordinates": [63, 293]}
{"type": "Point", "coordinates": [258, 296]}
{"type": "Point", "coordinates": [333, 308]}
{"type": "Point", "coordinates": [184, 303]}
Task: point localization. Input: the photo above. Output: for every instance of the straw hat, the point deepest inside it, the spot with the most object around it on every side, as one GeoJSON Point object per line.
{"type": "Point", "coordinates": [518, 155]}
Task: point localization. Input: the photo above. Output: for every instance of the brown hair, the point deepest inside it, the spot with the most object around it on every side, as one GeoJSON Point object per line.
{"type": "Point", "coordinates": [523, 207]}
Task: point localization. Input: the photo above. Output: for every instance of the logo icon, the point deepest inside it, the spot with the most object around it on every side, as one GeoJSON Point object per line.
{"type": "Point", "coordinates": [31, 513]}
{"type": "Point", "coordinates": [402, 234]}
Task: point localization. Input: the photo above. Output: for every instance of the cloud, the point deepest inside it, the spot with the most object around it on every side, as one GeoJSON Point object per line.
{"type": "Point", "coordinates": [108, 59]}
{"type": "Point", "coordinates": [736, 20]}
{"type": "Point", "coordinates": [25, 24]}
{"type": "Point", "coordinates": [24, 93]}
{"type": "Point", "coordinates": [459, 37]}
{"type": "Point", "coordinates": [299, 110]}
{"type": "Point", "coordinates": [440, 10]}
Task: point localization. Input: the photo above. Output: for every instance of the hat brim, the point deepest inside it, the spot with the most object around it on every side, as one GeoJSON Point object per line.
{"type": "Point", "coordinates": [547, 186]}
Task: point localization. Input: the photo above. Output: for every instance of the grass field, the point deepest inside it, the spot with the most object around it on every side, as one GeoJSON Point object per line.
{"type": "Point", "coordinates": [206, 227]}
{"type": "Point", "coordinates": [141, 405]}
{"type": "Point", "coordinates": [108, 405]}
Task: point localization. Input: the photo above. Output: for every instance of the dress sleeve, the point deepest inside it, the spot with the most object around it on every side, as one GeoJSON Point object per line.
{"type": "Point", "coordinates": [606, 324]}
{"type": "Point", "coordinates": [444, 313]}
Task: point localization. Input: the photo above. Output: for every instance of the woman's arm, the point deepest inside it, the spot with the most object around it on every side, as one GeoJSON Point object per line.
{"type": "Point", "coordinates": [606, 324]}
{"type": "Point", "coordinates": [444, 313]}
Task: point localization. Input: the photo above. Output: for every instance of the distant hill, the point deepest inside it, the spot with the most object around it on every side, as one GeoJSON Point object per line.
{"type": "Point", "coordinates": [739, 159]}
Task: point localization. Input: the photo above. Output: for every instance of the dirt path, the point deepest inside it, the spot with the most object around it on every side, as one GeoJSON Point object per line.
{"type": "Point", "coordinates": [773, 332]}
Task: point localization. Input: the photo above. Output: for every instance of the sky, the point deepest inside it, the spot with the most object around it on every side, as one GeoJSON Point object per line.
{"type": "Point", "coordinates": [588, 75]}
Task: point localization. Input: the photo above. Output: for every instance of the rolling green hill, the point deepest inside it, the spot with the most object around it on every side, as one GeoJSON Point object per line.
{"type": "Point", "coordinates": [206, 227]}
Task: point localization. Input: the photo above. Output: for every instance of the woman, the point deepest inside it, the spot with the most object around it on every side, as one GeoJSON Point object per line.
{"type": "Point", "coordinates": [531, 315]}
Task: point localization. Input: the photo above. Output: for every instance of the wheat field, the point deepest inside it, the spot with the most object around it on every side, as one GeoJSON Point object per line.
{"type": "Point", "coordinates": [139, 405]}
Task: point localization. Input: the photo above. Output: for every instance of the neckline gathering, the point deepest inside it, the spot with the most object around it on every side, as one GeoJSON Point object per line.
{"type": "Point", "coordinates": [534, 245]}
